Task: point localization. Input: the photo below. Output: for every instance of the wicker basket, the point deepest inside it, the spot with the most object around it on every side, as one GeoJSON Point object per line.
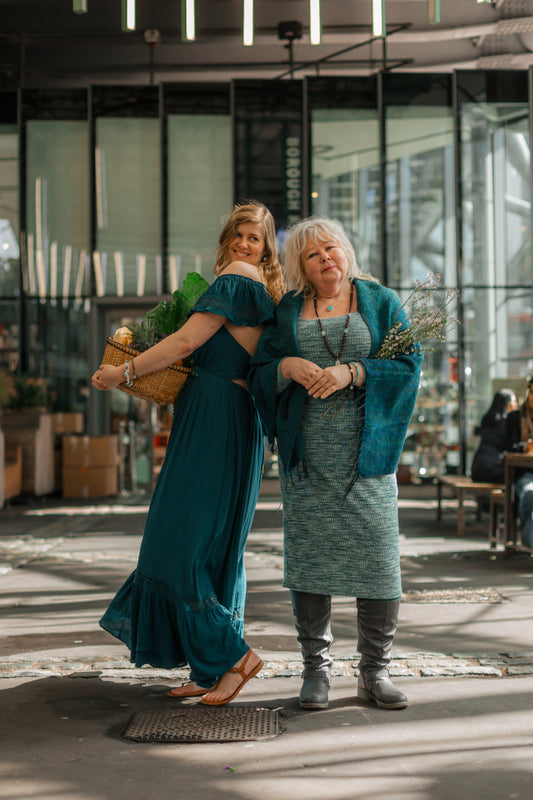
{"type": "Point", "coordinates": [160, 387]}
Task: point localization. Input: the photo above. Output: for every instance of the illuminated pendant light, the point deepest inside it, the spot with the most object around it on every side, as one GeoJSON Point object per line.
{"type": "Point", "coordinates": [128, 15]}
{"type": "Point", "coordinates": [315, 26]}
{"type": "Point", "coordinates": [248, 22]}
{"type": "Point", "coordinates": [188, 23]}
{"type": "Point", "coordinates": [79, 6]}
{"type": "Point", "coordinates": [379, 27]}
{"type": "Point", "coordinates": [434, 11]}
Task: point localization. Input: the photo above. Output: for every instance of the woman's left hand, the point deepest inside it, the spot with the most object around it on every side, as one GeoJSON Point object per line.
{"type": "Point", "coordinates": [330, 380]}
{"type": "Point", "coordinates": [107, 377]}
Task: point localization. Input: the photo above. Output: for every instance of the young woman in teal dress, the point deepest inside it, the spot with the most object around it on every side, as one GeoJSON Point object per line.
{"type": "Point", "coordinates": [339, 415]}
{"type": "Point", "coordinates": [184, 603]}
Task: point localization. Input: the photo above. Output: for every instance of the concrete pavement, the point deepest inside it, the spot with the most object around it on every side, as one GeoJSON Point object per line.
{"type": "Point", "coordinates": [463, 654]}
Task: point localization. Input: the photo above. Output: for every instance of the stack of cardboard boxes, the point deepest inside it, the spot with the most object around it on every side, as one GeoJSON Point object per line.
{"type": "Point", "coordinates": [31, 431]}
{"type": "Point", "coordinates": [89, 466]}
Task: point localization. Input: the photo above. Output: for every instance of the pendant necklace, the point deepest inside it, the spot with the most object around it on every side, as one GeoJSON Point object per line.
{"type": "Point", "coordinates": [323, 332]}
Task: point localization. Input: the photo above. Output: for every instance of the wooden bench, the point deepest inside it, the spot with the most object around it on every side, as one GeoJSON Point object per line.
{"type": "Point", "coordinates": [496, 526]}
{"type": "Point", "coordinates": [462, 486]}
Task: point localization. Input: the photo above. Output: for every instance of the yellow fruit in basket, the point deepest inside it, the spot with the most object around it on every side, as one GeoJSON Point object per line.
{"type": "Point", "coordinates": [123, 336]}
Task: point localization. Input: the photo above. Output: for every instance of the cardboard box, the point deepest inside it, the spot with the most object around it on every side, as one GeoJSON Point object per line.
{"type": "Point", "coordinates": [67, 422]}
{"type": "Point", "coordinates": [90, 451]}
{"type": "Point", "coordinates": [33, 431]}
{"type": "Point", "coordinates": [13, 471]}
{"type": "Point", "coordinates": [80, 481]}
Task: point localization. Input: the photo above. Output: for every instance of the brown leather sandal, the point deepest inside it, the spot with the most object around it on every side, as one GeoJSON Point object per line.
{"type": "Point", "coordinates": [195, 693]}
{"type": "Point", "coordinates": [245, 678]}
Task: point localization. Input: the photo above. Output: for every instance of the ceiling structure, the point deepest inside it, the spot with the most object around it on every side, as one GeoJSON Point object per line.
{"type": "Point", "coordinates": [44, 43]}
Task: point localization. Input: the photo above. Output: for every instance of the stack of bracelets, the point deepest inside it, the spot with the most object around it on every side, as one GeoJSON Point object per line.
{"type": "Point", "coordinates": [129, 376]}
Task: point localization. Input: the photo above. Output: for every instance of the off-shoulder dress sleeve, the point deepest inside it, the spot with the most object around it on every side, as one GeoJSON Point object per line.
{"type": "Point", "coordinates": [241, 300]}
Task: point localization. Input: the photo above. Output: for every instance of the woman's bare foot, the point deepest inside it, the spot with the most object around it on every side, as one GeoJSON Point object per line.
{"type": "Point", "coordinates": [189, 689]}
{"type": "Point", "coordinates": [231, 683]}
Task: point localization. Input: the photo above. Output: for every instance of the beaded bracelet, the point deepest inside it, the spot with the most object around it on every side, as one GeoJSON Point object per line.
{"type": "Point", "coordinates": [358, 371]}
{"type": "Point", "coordinates": [135, 376]}
{"type": "Point", "coordinates": [352, 375]}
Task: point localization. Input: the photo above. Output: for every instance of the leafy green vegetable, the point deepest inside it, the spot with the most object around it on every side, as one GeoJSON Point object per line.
{"type": "Point", "coordinates": [166, 318]}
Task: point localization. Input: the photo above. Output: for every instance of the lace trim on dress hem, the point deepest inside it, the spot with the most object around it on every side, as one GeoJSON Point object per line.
{"type": "Point", "coordinates": [190, 606]}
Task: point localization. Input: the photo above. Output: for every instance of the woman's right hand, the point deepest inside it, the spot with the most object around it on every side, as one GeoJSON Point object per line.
{"type": "Point", "coordinates": [300, 370]}
{"type": "Point", "coordinates": [108, 377]}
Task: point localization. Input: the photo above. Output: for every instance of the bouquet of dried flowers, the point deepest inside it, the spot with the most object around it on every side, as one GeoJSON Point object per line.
{"type": "Point", "coordinates": [428, 318]}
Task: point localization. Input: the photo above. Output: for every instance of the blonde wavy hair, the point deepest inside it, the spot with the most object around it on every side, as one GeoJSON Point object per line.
{"type": "Point", "coordinates": [316, 229]}
{"type": "Point", "coordinates": [253, 211]}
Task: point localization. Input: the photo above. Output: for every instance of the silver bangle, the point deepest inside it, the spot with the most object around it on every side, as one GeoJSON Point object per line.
{"type": "Point", "coordinates": [127, 378]}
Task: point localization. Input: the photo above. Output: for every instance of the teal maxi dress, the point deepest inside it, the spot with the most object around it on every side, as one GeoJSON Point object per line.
{"type": "Point", "coordinates": [184, 603]}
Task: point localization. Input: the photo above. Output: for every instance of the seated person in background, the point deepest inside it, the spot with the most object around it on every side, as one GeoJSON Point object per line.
{"type": "Point", "coordinates": [520, 440]}
{"type": "Point", "coordinates": [489, 458]}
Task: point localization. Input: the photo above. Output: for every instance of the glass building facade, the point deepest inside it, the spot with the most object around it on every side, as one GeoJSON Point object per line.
{"type": "Point", "coordinates": [109, 196]}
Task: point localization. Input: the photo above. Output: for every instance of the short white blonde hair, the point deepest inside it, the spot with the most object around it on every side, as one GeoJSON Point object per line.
{"type": "Point", "coordinates": [315, 229]}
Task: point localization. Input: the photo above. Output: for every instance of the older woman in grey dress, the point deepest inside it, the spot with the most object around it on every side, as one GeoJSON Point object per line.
{"type": "Point", "coordinates": [340, 416]}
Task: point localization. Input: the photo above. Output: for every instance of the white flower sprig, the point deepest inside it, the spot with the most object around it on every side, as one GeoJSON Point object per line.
{"type": "Point", "coordinates": [428, 319]}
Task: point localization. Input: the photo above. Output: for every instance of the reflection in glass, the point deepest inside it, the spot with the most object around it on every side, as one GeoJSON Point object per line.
{"type": "Point", "coordinates": [9, 211]}
{"type": "Point", "coordinates": [57, 351]}
{"type": "Point", "coordinates": [345, 175]}
{"type": "Point", "coordinates": [57, 208]}
{"type": "Point", "coordinates": [496, 212]}
{"type": "Point", "coordinates": [420, 212]}
{"type": "Point", "coordinates": [127, 260]}
{"type": "Point", "coordinates": [200, 191]}
{"type": "Point", "coordinates": [420, 194]}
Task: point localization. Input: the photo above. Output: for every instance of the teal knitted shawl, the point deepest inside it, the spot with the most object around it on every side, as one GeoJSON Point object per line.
{"type": "Point", "coordinates": [391, 385]}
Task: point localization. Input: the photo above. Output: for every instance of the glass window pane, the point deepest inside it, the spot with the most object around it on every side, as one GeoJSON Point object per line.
{"type": "Point", "coordinates": [268, 146]}
{"type": "Point", "coordinates": [420, 194]}
{"type": "Point", "coordinates": [498, 331]}
{"type": "Point", "coordinates": [57, 342]}
{"type": "Point", "coordinates": [128, 207]}
{"type": "Point", "coordinates": [57, 208]}
{"type": "Point", "coordinates": [345, 177]}
{"type": "Point", "coordinates": [495, 160]}
{"type": "Point", "coordinates": [9, 211]}
{"type": "Point", "coordinates": [496, 214]}
{"type": "Point", "coordinates": [200, 191]}
{"type": "Point", "coordinates": [421, 240]}
{"type": "Point", "coordinates": [9, 335]}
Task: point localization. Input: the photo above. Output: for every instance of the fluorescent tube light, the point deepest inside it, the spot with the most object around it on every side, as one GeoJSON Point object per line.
{"type": "Point", "coordinates": [188, 21]}
{"type": "Point", "coordinates": [315, 26]}
{"type": "Point", "coordinates": [248, 22]}
{"type": "Point", "coordinates": [128, 15]}
{"type": "Point", "coordinates": [379, 27]}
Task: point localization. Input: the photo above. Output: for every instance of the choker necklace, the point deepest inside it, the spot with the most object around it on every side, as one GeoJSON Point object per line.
{"type": "Point", "coordinates": [323, 332]}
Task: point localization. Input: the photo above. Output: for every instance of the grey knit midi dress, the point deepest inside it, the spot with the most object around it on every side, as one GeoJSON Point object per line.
{"type": "Point", "coordinates": [338, 542]}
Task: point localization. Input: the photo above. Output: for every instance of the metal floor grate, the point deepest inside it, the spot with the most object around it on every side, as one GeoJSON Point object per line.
{"type": "Point", "coordinates": [203, 725]}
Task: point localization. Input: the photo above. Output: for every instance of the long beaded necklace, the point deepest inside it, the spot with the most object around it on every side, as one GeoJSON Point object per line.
{"type": "Point", "coordinates": [323, 332]}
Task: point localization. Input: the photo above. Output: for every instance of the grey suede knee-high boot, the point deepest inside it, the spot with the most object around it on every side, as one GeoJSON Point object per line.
{"type": "Point", "coordinates": [376, 625]}
{"type": "Point", "coordinates": [312, 613]}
